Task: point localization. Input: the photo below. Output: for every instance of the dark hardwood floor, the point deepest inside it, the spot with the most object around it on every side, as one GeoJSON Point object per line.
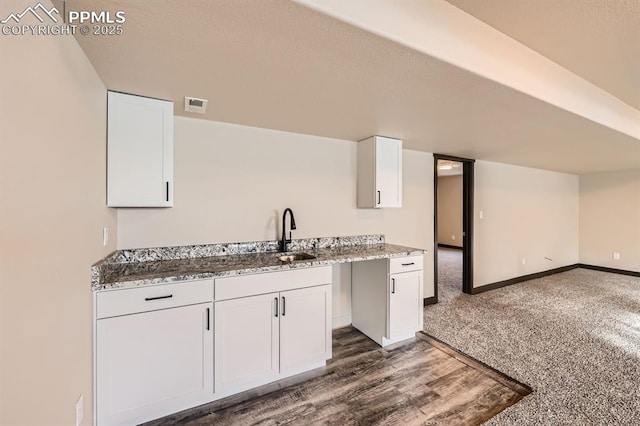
{"type": "Point", "coordinates": [420, 382]}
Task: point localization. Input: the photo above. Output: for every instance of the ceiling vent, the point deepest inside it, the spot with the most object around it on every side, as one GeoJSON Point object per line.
{"type": "Point", "coordinates": [196, 105]}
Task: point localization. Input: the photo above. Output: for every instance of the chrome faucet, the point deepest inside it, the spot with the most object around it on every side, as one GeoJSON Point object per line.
{"type": "Point", "coordinates": [284, 241]}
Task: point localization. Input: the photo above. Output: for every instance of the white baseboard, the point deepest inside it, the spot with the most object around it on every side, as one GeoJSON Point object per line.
{"type": "Point", "coordinates": [342, 321]}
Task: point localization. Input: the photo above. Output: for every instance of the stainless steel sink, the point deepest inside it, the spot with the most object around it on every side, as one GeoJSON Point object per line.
{"type": "Point", "coordinates": [288, 258]}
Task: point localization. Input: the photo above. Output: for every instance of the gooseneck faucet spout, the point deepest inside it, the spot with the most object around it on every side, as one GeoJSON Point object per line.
{"type": "Point", "coordinates": [285, 241]}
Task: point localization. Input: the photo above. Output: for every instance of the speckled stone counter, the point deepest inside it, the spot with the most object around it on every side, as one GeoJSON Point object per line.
{"type": "Point", "coordinates": [140, 267]}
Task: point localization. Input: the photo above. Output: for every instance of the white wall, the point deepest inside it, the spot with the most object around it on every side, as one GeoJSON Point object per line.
{"type": "Point", "coordinates": [610, 219]}
{"type": "Point", "coordinates": [233, 182]}
{"type": "Point", "coordinates": [52, 184]}
{"type": "Point", "coordinates": [528, 213]}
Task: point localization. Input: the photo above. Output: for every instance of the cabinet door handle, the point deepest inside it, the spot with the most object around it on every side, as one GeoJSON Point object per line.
{"type": "Point", "coordinates": [378, 196]}
{"type": "Point", "coordinates": [393, 286]}
{"type": "Point", "coordinates": [148, 299]}
{"type": "Point", "coordinates": [167, 190]}
{"type": "Point", "coordinates": [276, 300]}
{"type": "Point", "coordinates": [409, 264]}
{"type": "Point", "coordinates": [208, 319]}
{"type": "Point", "coordinates": [283, 306]}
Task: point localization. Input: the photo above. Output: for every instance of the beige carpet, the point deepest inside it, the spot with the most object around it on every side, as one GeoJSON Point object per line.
{"type": "Point", "coordinates": [449, 273]}
{"type": "Point", "coordinates": [573, 337]}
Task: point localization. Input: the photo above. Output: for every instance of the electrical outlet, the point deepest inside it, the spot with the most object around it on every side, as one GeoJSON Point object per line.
{"type": "Point", "coordinates": [453, 237]}
{"type": "Point", "coordinates": [79, 410]}
{"type": "Point", "coordinates": [105, 236]}
{"type": "Point", "coordinates": [616, 255]}
{"type": "Point", "coordinates": [481, 214]}
{"type": "Point", "coordinates": [524, 260]}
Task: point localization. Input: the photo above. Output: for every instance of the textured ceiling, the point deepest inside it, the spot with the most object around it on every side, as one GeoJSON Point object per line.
{"type": "Point", "coordinates": [276, 64]}
{"type": "Point", "coordinates": [598, 40]}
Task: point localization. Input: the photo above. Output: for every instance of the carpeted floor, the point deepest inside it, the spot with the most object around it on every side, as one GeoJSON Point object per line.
{"type": "Point", "coordinates": [449, 274]}
{"type": "Point", "coordinates": [574, 337]}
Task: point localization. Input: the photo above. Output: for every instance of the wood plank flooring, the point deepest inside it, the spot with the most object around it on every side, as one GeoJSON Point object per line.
{"type": "Point", "coordinates": [421, 382]}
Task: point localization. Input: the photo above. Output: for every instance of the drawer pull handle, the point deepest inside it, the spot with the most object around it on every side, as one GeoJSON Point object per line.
{"type": "Point", "coordinates": [276, 300]}
{"type": "Point", "coordinates": [378, 197]}
{"type": "Point", "coordinates": [208, 319]}
{"type": "Point", "coordinates": [393, 286]}
{"type": "Point", "coordinates": [158, 298]}
{"type": "Point", "coordinates": [283, 306]}
{"type": "Point", "coordinates": [408, 264]}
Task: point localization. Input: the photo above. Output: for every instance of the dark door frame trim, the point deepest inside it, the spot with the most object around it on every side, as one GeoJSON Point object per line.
{"type": "Point", "coordinates": [467, 221]}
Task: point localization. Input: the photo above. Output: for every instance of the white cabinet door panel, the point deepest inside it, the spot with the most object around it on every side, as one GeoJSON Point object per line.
{"type": "Point", "coordinates": [139, 151]}
{"type": "Point", "coordinates": [305, 327]}
{"type": "Point", "coordinates": [389, 172]}
{"type": "Point", "coordinates": [405, 314]}
{"type": "Point", "coordinates": [150, 362]}
{"type": "Point", "coordinates": [247, 336]}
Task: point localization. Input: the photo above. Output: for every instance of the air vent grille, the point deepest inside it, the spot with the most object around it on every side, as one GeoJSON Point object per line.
{"type": "Point", "coordinates": [197, 105]}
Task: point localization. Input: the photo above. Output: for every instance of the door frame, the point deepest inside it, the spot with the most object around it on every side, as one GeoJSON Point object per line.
{"type": "Point", "coordinates": [467, 221]}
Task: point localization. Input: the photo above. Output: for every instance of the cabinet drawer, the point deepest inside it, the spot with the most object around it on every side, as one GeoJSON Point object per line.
{"type": "Point", "coordinates": [270, 282]}
{"type": "Point", "coordinates": [142, 299]}
{"type": "Point", "coordinates": [405, 264]}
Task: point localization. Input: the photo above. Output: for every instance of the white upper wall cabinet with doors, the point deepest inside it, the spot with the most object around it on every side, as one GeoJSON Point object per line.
{"type": "Point", "coordinates": [139, 151]}
{"type": "Point", "coordinates": [379, 172]}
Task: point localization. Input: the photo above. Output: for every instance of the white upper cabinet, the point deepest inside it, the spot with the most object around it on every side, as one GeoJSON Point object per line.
{"type": "Point", "coordinates": [139, 151]}
{"type": "Point", "coordinates": [379, 172]}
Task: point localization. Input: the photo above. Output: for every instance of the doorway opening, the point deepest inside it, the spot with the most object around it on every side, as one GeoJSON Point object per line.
{"type": "Point", "coordinates": [453, 226]}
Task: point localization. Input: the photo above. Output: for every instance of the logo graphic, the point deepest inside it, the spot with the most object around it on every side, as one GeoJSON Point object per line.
{"type": "Point", "coordinates": [34, 11]}
{"type": "Point", "coordinates": [72, 22]}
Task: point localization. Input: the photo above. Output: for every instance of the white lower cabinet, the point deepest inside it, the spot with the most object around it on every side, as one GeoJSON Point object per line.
{"type": "Point", "coordinates": [387, 298]}
{"type": "Point", "coordinates": [155, 362]}
{"type": "Point", "coordinates": [263, 338]}
{"type": "Point", "coordinates": [164, 348]}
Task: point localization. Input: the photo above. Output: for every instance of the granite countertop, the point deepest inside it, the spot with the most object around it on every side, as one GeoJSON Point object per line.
{"type": "Point", "coordinates": [114, 272]}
